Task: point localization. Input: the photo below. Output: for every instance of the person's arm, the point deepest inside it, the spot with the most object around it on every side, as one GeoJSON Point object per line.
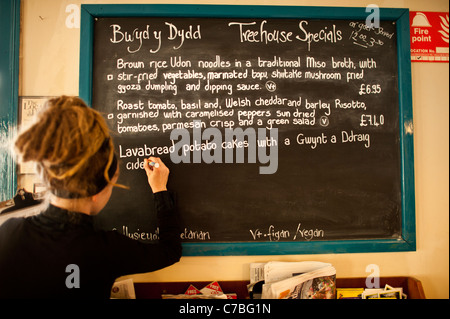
{"type": "Point", "coordinates": [140, 257]}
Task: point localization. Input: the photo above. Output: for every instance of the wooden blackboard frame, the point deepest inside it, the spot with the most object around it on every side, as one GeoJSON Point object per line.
{"type": "Point", "coordinates": [407, 241]}
{"type": "Point", "coordinates": [9, 93]}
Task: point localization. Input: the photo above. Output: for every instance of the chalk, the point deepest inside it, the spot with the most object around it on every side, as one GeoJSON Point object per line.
{"type": "Point", "coordinates": [153, 164]}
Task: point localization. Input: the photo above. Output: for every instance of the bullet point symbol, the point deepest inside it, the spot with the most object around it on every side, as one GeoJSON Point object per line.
{"type": "Point", "coordinates": [110, 77]}
{"type": "Point", "coordinates": [110, 116]}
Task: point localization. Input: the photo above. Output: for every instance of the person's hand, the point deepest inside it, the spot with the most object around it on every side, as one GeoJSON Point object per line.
{"type": "Point", "coordinates": [157, 175]}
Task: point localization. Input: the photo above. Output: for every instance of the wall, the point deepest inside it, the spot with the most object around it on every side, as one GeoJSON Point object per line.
{"type": "Point", "coordinates": [49, 66]}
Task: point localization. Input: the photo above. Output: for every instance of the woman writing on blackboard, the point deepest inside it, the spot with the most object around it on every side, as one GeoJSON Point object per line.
{"type": "Point", "coordinates": [58, 253]}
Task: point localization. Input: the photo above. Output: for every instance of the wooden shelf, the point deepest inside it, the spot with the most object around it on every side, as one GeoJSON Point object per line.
{"type": "Point", "coordinates": [411, 286]}
{"type": "Point", "coordinates": [153, 290]}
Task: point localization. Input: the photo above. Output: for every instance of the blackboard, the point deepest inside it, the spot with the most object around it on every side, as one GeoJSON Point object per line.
{"type": "Point", "coordinates": [286, 129]}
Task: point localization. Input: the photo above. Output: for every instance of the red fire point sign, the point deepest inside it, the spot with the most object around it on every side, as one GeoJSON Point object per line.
{"type": "Point", "coordinates": [429, 36]}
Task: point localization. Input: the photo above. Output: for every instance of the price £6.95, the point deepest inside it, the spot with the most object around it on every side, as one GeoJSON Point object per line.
{"type": "Point", "coordinates": [369, 89]}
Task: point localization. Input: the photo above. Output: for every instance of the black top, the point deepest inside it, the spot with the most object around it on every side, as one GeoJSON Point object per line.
{"type": "Point", "coordinates": [35, 251]}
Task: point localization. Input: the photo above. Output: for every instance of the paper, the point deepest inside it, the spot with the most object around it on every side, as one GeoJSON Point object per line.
{"type": "Point", "coordinates": [123, 289]}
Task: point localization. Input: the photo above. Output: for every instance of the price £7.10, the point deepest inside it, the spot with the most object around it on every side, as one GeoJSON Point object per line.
{"type": "Point", "coordinates": [371, 120]}
{"type": "Point", "coordinates": [369, 89]}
